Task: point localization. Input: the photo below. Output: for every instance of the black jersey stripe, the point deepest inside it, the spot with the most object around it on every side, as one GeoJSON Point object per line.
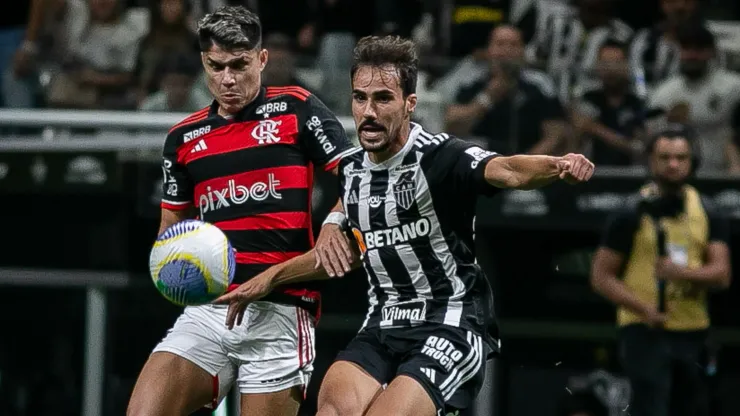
{"type": "Point", "coordinates": [253, 158]}
{"type": "Point", "coordinates": [392, 262]}
{"type": "Point", "coordinates": [292, 200]}
{"type": "Point", "coordinates": [295, 239]}
{"type": "Point", "coordinates": [422, 248]}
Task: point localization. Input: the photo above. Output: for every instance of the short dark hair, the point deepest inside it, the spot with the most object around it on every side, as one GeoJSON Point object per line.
{"type": "Point", "coordinates": [379, 51]}
{"type": "Point", "coordinates": [671, 132]}
{"type": "Point", "coordinates": [231, 27]}
{"type": "Point", "coordinates": [695, 34]}
{"type": "Point", "coordinates": [614, 44]}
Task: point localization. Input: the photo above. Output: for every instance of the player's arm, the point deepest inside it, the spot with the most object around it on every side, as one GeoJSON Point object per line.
{"type": "Point", "coordinates": [535, 171]}
{"type": "Point", "coordinates": [298, 269]}
{"type": "Point", "coordinates": [177, 187]}
{"type": "Point", "coordinates": [716, 270]}
{"type": "Point", "coordinates": [322, 135]}
{"type": "Point", "coordinates": [302, 269]}
{"type": "Point", "coordinates": [471, 169]}
{"type": "Point", "coordinates": [609, 260]}
{"type": "Point", "coordinates": [170, 217]}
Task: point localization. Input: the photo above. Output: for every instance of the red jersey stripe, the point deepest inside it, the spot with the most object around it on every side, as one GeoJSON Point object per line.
{"type": "Point", "coordinates": [294, 94]}
{"type": "Point", "coordinates": [268, 257]}
{"type": "Point", "coordinates": [193, 118]}
{"type": "Point", "coordinates": [254, 184]}
{"type": "Point", "coordinates": [294, 88]}
{"type": "Point", "coordinates": [281, 130]}
{"type": "Point", "coordinates": [176, 207]}
{"type": "Point", "coordinates": [276, 221]}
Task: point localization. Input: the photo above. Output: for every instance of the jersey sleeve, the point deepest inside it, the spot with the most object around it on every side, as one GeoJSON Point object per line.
{"type": "Point", "coordinates": [323, 135]}
{"type": "Point", "coordinates": [465, 164]}
{"type": "Point", "coordinates": [177, 186]}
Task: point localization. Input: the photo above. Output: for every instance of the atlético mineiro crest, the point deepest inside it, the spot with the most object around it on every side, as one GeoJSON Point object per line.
{"type": "Point", "coordinates": [404, 190]}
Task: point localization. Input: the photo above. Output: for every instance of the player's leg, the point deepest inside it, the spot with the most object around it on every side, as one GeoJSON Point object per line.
{"type": "Point", "coordinates": [347, 390]}
{"type": "Point", "coordinates": [443, 372]}
{"type": "Point", "coordinates": [356, 378]}
{"type": "Point", "coordinates": [187, 370]}
{"type": "Point", "coordinates": [170, 385]}
{"type": "Point", "coordinates": [274, 349]}
{"type": "Point", "coordinates": [280, 403]}
{"type": "Point", "coordinates": [404, 396]}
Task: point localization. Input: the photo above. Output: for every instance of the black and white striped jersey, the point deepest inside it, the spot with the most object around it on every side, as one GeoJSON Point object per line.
{"type": "Point", "coordinates": [654, 56]}
{"type": "Point", "coordinates": [413, 218]}
{"type": "Point", "coordinates": [567, 49]}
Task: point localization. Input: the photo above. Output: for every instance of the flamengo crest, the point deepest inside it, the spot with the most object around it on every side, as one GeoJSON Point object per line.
{"type": "Point", "coordinates": [266, 132]}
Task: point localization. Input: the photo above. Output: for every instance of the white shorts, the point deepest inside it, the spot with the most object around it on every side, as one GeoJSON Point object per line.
{"type": "Point", "coordinates": [272, 350]}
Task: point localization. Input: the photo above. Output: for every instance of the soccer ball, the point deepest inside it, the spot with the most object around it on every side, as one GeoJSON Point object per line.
{"type": "Point", "coordinates": [192, 263]}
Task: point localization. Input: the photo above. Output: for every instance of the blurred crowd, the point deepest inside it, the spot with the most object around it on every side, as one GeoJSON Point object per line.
{"type": "Point", "coordinates": [538, 76]}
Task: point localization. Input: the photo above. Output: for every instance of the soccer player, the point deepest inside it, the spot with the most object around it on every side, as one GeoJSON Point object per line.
{"type": "Point", "coordinates": [245, 165]}
{"type": "Point", "coordinates": [409, 202]}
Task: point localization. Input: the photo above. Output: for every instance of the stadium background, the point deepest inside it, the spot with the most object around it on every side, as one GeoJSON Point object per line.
{"type": "Point", "coordinates": [80, 185]}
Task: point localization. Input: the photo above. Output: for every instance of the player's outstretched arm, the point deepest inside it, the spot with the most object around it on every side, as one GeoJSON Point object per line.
{"type": "Point", "coordinates": [534, 171]}
{"type": "Point", "coordinates": [298, 269]}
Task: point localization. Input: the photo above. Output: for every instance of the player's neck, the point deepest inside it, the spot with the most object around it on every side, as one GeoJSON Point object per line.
{"type": "Point", "coordinates": [395, 146]}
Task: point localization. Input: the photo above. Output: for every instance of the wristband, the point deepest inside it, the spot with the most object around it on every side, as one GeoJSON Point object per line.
{"type": "Point", "coordinates": [337, 218]}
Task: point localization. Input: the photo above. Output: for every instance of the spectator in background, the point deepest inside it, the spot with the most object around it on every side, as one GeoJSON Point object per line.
{"type": "Point", "coordinates": [334, 26]}
{"type": "Point", "coordinates": [398, 17]}
{"type": "Point", "coordinates": [705, 97]}
{"type": "Point", "coordinates": [654, 53]}
{"type": "Point", "coordinates": [103, 52]}
{"type": "Point", "coordinates": [280, 68]}
{"type": "Point", "coordinates": [611, 117]}
{"type": "Point", "coordinates": [472, 21]}
{"type": "Point", "coordinates": [661, 291]}
{"type": "Point", "coordinates": [513, 109]}
{"type": "Point", "coordinates": [20, 26]}
{"type": "Point", "coordinates": [176, 79]}
{"type": "Point", "coordinates": [169, 34]}
{"type": "Point", "coordinates": [22, 86]}
{"type": "Point", "coordinates": [568, 45]}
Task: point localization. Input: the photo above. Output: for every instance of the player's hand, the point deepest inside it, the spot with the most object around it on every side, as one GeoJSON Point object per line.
{"type": "Point", "coordinates": [575, 168]}
{"type": "Point", "coordinates": [238, 299]}
{"type": "Point", "coordinates": [333, 251]}
{"type": "Point", "coordinates": [665, 269]}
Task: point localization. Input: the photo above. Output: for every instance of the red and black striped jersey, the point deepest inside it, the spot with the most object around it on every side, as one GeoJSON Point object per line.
{"type": "Point", "coordinates": [251, 175]}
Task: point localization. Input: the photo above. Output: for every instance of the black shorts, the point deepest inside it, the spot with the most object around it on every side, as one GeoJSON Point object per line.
{"type": "Point", "coordinates": [448, 362]}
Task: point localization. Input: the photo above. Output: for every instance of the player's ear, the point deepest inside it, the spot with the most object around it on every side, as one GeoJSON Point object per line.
{"type": "Point", "coordinates": [263, 59]}
{"type": "Point", "coordinates": [411, 103]}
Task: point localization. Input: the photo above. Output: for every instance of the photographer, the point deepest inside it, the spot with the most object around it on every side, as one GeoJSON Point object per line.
{"type": "Point", "coordinates": [514, 110]}
{"type": "Point", "coordinates": [658, 260]}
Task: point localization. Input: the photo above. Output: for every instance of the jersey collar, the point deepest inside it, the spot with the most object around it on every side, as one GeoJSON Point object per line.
{"type": "Point", "coordinates": [213, 112]}
{"type": "Point", "coordinates": [398, 157]}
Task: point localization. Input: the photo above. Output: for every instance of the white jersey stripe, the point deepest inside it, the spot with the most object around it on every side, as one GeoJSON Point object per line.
{"type": "Point", "coordinates": [405, 252]}
{"type": "Point", "coordinates": [425, 206]}
{"type": "Point", "coordinates": [470, 370]}
{"type": "Point", "coordinates": [450, 380]}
